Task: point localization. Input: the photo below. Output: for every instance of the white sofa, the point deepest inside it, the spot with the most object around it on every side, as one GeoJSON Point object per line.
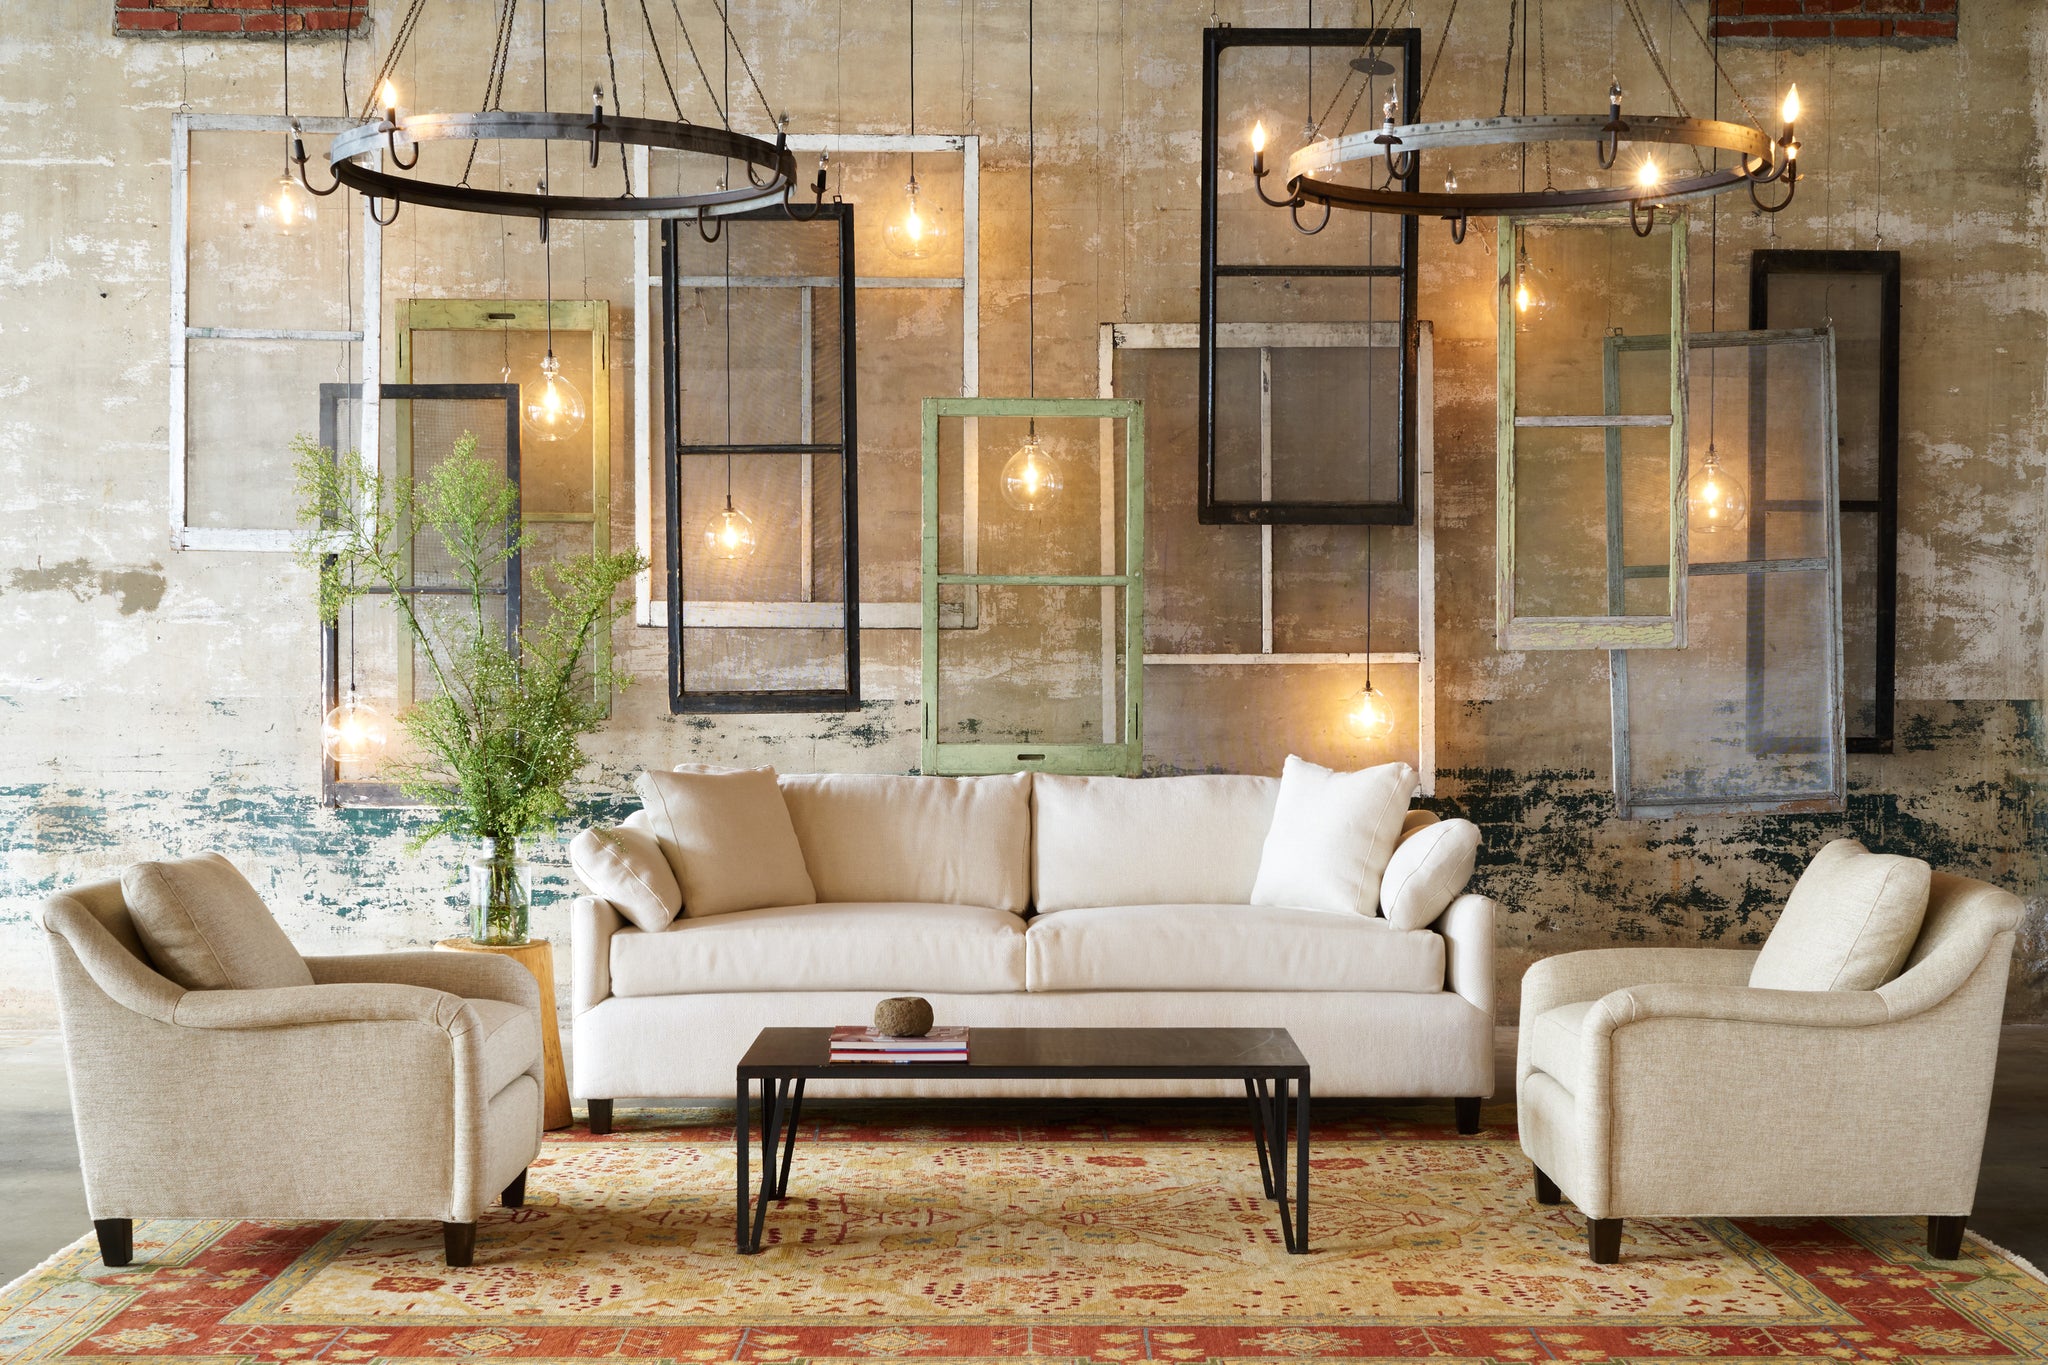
{"type": "Point", "coordinates": [1056, 901]}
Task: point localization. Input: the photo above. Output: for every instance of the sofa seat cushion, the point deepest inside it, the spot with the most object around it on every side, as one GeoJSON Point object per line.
{"type": "Point", "coordinates": [1227, 948]}
{"type": "Point", "coordinates": [511, 1041]}
{"type": "Point", "coordinates": [908, 947]}
{"type": "Point", "coordinates": [1556, 1043]}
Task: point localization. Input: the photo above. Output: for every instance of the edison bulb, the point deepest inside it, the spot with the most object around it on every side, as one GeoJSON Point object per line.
{"type": "Point", "coordinates": [918, 231]}
{"type": "Point", "coordinates": [354, 732]}
{"type": "Point", "coordinates": [1370, 717]}
{"type": "Point", "coordinates": [730, 534]}
{"type": "Point", "coordinates": [551, 410]}
{"type": "Point", "coordinates": [389, 94]}
{"type": "Point", "coordinates": [288, 209]}
{"type": "Point", "coordinates": [1532, 289]}
{"type": "Point", "coordinates": [1648, 176]}
{"type": "Point", "coordinates": [1258, 139]}
{"type": "Point", "coordinates": [1031, 477]}
{"type": "Point", "coordinates": [1715, 499]}
{"type": "Point", "coordinates": [1791, 108]}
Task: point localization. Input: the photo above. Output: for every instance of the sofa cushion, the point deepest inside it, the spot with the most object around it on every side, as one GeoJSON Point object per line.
{"type": "Point", "coordinates": [1556, 1041]}
{"type": "Point", "coordinates": [1332, 835]}
{"type": "Point", "coordinates": [957, 840]}
{"type": "Point", "coordinates": [1147, 840]}
{"type": "Point", "coordinates": [511, 1041]}
{"type": "Point", "coordinates": [626, 867]}
{"type": "Point", "coordinates": [1849, 923]}
{"type": "Point", "coordinates": [891, 947]}
{"type": "Point", "coordinates": [1227, 947]}
{"type": "Point", "coordinates": [728, 839]}
{"type": "Point", "coordinates": [1427, 870]}
{"type": "Point", "coordinates": [206, 928]}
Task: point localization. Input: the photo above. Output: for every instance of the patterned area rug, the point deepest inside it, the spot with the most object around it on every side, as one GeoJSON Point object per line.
{"type": "Point", "coordinates": [989, 1233]}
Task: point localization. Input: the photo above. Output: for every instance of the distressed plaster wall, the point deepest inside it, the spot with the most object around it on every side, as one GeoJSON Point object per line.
{"type": "Point", "coordinates": [156, 702]}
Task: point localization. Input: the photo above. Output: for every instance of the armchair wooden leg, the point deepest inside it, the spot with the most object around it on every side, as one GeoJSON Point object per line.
{"type": "Point", "coordinates": [1547, 1191]}
{"type": "Point", "coordinates": [514, 1196]}
{"type": "Point", "coordinates": [458, 1240]}
{"type": "Point", "coordinates": [600, 1116]}
{"type": "Point", "coordinates": [1468, 1113]}
{"type": "Point", "coordinates": [1944, 1235]}
{"type": "Point", "coordinates": [117, 1239]}
{"type": "Point", "coordinates": [1603, 1240]}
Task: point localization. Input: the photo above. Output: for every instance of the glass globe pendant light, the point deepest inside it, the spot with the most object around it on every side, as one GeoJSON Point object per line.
{"type": "Point", "coordinates": [1532, 289]}
{"type": "Point", "coordinates": [551, 410]}
{"type": "Point", "coordinates": [354, 731]}
{"type": "Point", "coordinates": [1370, 717]}
{"type": "Point", "coordinates": [288, 208]}
{"type": "Point", "coordinates": [918, 231]}
{"type": "Point", "coordinates": [1715, 499]}
{"type": "Point", "coordinates": [1031, 477]}
{"type": "Point", "coordinates": [730, 534]}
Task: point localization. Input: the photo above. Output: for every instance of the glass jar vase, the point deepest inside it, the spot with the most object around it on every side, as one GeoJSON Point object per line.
{"type": "Point", "coordinates": [500, 895]}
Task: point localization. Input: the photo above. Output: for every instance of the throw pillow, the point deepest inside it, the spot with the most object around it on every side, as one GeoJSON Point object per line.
{"type": "Point", "coordinates": [728, 838]}
{"type": "Point", "coordinates": [1849, 923]}
{"type": "Point", "coordinates": [1429, 868]}
{"type": "Point", "coordinates": [207, 929]}
{"type": "Point", "coordinates": [1331, 836]}
{"type": "Point", "coordinates": [627, 867]}
{"type": "Point", "coordinates": [1416, 821]}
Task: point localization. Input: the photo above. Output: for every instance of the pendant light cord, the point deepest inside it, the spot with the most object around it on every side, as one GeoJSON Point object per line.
{"type": "Point", "coordinates": [547, 175]}
{"type": "Point", "coordinates": [1031, 189]}
{"type": "Point", "coordinates": [913, 87]}
{"type": "Point", "coordinates": [286, 34]}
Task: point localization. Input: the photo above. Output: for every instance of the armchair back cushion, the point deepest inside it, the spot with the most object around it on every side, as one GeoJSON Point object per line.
{"type": "Point", "coordinates": [205, 927]}
{"type": "Point", "coordinates": [1148, 840]}
{"type": "Point", "coordinates": [1849, 923]}
{"type": "Point", "coordinates": [727, 838]}
{"type": "Point", "coordinates": [1332, 835]}
{"type": "Point", "coordinates": [869, 837]}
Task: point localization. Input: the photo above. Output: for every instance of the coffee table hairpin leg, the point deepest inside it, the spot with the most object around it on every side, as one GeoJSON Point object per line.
{"type": "Point", "coordinates": [1269, 1133]}
{"type": "Point", "coordinates": [781, 1102]}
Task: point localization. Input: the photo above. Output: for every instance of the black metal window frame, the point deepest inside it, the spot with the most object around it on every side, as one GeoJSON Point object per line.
{"type": "Point", "coordinates": [847, 698]}
{"type": "Point", "coordinates": [1210, 510]}
{"type": "Point", "coordinates": [1884, 265]}
{"type": "Point", "coordinates": [333, 790]}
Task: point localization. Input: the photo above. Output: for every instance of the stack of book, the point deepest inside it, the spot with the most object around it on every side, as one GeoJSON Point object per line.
{"type": "Point", "coordinates": [853, 1043]}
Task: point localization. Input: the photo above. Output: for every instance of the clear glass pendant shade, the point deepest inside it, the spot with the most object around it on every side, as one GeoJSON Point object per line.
{"type": "Point", "coordinates": [730, 534]}
{"type": "Point", "coordinates": [551, 410]}
{"type": "Point", "coordinates": [1715, 499]}
{"type": "Point", "coordinates": [354, 732]}
{"type": "Point", "coordinates": [1031, 477]}
{"type": "Point", "coordinates": [287, 210]}
{"type": "Point", "coordinates": [1370, 716]}
{"type": "Point", "coordinates": [918, 230]}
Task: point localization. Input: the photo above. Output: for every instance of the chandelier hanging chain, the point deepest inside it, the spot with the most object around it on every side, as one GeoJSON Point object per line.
{"type": "Point", "coordinates": [660, 65]}
{"type": "Point", "coordinates": [1442, 38]}
{"type": "Point", "coordinates": [1543, 91]}
{"type": "Point", "coordinates": [399, 40]}
{"type": "Point", "coordinates": [494, 82]}
{"type": "Point", "coordinates": [611, 62]}
{"type": "Point", "coordinates": [1720, 72]}
{"type": "Point", "coordinates": [724, 119]}
{"type": "Point", "coordinates": [732, 39]}
{"type": "Point", "coordinates": [1507, 66]}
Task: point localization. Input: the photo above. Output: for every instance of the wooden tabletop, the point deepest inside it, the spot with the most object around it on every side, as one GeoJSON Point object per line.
{"type": "Point", "coordinates": [1061, 1053]}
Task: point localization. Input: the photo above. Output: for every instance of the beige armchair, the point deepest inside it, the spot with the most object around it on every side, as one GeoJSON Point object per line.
{"type": "Point", "coordinates": [1657, 1082]}
{"type": "Point", "coordinates": [398, 1085]}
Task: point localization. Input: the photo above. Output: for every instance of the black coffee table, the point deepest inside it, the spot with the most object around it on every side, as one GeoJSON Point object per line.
{"type": "Point", "coordinates": [1265, 1059]}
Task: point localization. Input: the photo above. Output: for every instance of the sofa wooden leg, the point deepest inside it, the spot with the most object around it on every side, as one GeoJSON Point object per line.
{"type": "Point", "coordinates": [514, 1196]}
{"type": "Point", "coordinates": [600, 1116]}
{"type": "Point", "coordinates": [1468, 1113]}
{"type": "Point", "coordinates": [117, 1239]}
{"type": "Point", "coordinates": [1603, 1240]}
{"type": "Point", "coordinates": [1547, 1191]}
{"type": "Point", "coordinates": [1944, 1235]}
{"type": "Point", "coordinates": [458, 1240]}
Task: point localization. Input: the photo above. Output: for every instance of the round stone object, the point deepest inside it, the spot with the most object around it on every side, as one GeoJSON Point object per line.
{"type": "Point", "coordinates": [904, 1016]}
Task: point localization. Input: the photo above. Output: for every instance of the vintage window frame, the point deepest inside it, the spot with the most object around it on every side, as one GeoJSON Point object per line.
{"type": "Point", "coordinates": [1184, 336]}
{"type": "Point", "coordinates": [1627, 805]}
{"type": "Point", "coordinates": [846, 448]}
{"type": "Point", "coordinates": [365, 793]}
{"type": "Point", "coordinates": [261, 540]}
{"type": "Point", "coordinates": [1210, 510]}
{"type": "Point", "coordinates": [1885, 266]}
{"type": "Point", "coordinates": [1514, 632]}
{"type": "Point", "coordinates": [1125, 757]}
{"type": "Point", "coordinates": [652, 611]}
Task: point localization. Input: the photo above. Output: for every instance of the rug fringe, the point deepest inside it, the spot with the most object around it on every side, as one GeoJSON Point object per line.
{"type": "Point", "coordinates": [2022, 1262]}
{"type": "Point", "coordinates": [61, 1252]}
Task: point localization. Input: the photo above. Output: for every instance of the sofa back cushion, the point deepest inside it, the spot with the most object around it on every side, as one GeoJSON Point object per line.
{"type": "Point", "coordinates": [874, 838]}
{"type": "Point", "coordinates": [207, 929]}
{"type": "Point", "coordinates": [1148, 840]}
{"type": "Point", "coordinates": [1849, 923]}
{"type": "Point", "coordinates": [728, 839]}
{"type": "Point", "coordinates": [1332, 836]}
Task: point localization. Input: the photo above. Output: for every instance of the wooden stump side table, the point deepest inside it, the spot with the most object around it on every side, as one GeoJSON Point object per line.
{"type": "Point", "coordinates": [537, 955]}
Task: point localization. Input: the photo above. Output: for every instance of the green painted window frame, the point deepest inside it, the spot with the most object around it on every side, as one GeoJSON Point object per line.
{"type": "Point", "coordinates": [1516, 632]}
{"type": "Point", "coordinates": [1120, 759]}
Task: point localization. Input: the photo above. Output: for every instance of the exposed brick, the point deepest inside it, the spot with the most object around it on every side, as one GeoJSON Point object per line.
{"type": "Point", "coordinates": [144, 21]}
{"type": "Point", "coordinates": [1771, 7]}
{"type": "Point", "coordinates": [1835, 6]}
{"type": "Point", "coordinates": [207, 21]}
{"type": "Point", "coordinates": [1802, 28]}
{"type": "Point", "coordinates": [333, 19]}
{"type": "Point", "coordinates": [1925, 28]}
{"type": "Point", "coordinates": [1863, 28]}
{"type": "Point", "coordinates": [1939, 6]}
{"type": "Point", "coordinates": [1743, 28]}
{"type": "Point", "coordinates": [256, 18]}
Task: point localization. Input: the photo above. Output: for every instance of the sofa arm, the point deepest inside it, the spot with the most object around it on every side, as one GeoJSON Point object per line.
{"type": "Point", "coordinates": [340, 1003]}
{"type": "Point", "coordinates": [1467, 927]}
{"type": "Point", "coordinates": [1596, 973]}
{"type": "Point", "coordinates": [473, 976]}
{"type": "Point", "coordinates": [592, 922]}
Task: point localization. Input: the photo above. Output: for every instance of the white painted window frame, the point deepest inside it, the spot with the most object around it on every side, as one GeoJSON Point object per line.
{"type": "Point", "coordinates": [652, 611]}
{"type": "Point", "coordinates": [1185, 336]}
{"type": "Point", "coordinates": [263, 540]}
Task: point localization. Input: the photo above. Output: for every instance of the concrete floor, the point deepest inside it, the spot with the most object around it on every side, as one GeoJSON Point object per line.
{"type": "Point", "coordinates": [45, 1202]}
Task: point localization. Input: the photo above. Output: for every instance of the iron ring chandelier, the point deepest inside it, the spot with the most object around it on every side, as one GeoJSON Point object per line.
{"type": "Point", "coordinates": [1760, 160]}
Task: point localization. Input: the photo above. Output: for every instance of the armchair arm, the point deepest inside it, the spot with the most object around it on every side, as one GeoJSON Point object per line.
{"type": "Point", "coordinates": [337, 1003]}
{"type": "Point", "coordinates": [1598, 972]}
{"type": "Point", "coordinates": [474, 976]}
{"type": "Point", "coordinates": [1467, 927]}
{"type": "Point", "coordinates": [1736, 1005]}
{"type": "Point", "coordinates": [592, 922]}
{"type": "Point", "coordinates": [125, 978]}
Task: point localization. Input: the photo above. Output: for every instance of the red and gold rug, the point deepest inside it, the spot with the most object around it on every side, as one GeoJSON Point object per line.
{"type": "Point", "coordinates": [980, 1234]}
